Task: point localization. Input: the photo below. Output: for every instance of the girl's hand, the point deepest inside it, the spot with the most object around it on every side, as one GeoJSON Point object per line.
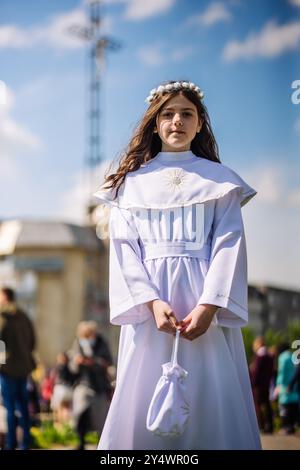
{"type": "Point", "coordinates": [164, 316]}
{"type": "Point", "coordinates": [197, 322]}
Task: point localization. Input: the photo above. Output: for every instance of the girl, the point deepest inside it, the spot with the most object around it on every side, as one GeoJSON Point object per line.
{"type": "Point", "coordinates": [178, 260]}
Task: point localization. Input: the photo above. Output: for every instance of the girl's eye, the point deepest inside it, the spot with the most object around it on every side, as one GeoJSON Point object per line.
{"type": "Point", "coordinates": [168, 114]}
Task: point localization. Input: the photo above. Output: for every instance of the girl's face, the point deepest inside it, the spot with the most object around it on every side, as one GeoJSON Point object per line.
{"type": "Point", "coordinates": [177, 124]}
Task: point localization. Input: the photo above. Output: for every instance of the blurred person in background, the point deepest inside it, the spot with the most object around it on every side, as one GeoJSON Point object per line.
{"type": "Point", "coordinates": [90, 358]}
{"type": "Point", "coordinates": [295, 385]}
{"type": "Point", "coordinates": [33, 401]}
{"type": "Point", "coordinates": [16, 330]}
{"type": "Point", "coordinates": [3, 423]}
{"type": "Point", "coordinates": [261, 373]}
{"type": "Point", "coordinates": [273, 352]}
{"type": "Point", "coordinates": [61, 400]}
{"type": "Point", "coordinates": [288, 398]}
{"type": "Point", "coordinates": [47, 387]}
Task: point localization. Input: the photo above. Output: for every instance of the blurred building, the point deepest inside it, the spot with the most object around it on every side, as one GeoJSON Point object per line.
{"type": "Point", "coordinates": [272, 307]}
{"type": "Point", "coordinates": [60, 273]}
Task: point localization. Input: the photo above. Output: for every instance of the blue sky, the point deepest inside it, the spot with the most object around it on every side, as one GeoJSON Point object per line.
{"type": "Point", "coordinates": [244, 54]}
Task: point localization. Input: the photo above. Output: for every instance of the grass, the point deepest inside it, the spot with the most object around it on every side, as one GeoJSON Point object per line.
{"type": "Point", "coordinates": [51, 434]}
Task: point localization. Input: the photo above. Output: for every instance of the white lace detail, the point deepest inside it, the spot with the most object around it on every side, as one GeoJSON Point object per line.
{"type": "Point", "coordinates": [175, 179]}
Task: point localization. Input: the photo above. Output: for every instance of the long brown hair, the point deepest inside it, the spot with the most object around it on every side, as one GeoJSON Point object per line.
{"type": "Point", "coordinates": [145, 144]}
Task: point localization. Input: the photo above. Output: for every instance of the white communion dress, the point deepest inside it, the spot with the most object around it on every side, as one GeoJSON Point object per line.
{"type": "Point", "coordinates": [177, 234]}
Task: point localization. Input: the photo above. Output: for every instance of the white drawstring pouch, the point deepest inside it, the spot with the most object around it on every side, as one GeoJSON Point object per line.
{"type": "Point", "coordinates": [169, 409]}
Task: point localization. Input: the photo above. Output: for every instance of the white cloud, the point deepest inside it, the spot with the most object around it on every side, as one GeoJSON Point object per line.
{"type": "Point", "coordinates": [181, 53]}
{"type": "Point", "coordinates": [60, 32]}
{"type": "Point", "coordinates": [15, 139]}
{"type": "Point", "coordinates": [269, 184]}
{"type": "Point", "coordinates": [151, 55]}
{"type": "Point", "coordinates": [271, 41]}
{"type": "Point", "coordinates": [272, 218]}
{"type": "Point", "coordinates": [272, 183]}
{"type": "Point", "coordinates": [297, 124]}
{"type": "Point", "coordinates": [12, 37]}
{"type": "Point", "coordinates": [296, 3]}
{"type": "Point", "coordinates": [216, 12]}
{"type": "Point", "coordinates": [293, 198]}
{"type": "Point", "coordinates": [109, 2]}
{"type": "Point", "coordinates": [137, 10]}
{"type": "Point", "coordinates": [74, 201]}
{"type": "Point", "coordinates": [140, 9]}
{"type": "Point", "coordinates": [17, 143]}
{"type": "Point", "coordinates": [7, 99]}
{"type": "Point", "coordinates": [10, 172]}
{"type": "Point", "coordinates": [155, 54]}
{"type": "Point", "coordinates": [272, 243]}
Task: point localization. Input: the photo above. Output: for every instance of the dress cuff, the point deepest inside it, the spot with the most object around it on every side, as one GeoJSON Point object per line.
{"type": "Point", "coordinates": [229, 314]}
{"type": "Point", "coordinates": [133, 309]}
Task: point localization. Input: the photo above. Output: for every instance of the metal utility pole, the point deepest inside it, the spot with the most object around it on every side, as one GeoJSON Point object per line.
{"type": "Point", "coordinates": [98, 45]}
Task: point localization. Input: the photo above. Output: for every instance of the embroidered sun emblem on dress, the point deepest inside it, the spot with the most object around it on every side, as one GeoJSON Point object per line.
{"type": "Point", "coordinates": [174, 179]}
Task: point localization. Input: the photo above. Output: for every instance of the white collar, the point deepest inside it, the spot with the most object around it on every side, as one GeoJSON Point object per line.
{"type": "Point", "coordinates": [151, 186]}
{"type": "Point", "coordinates": [172, 157]}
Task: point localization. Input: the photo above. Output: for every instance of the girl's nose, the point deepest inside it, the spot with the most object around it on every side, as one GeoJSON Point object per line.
{"type": "Point", "coordinates": [177, 118]}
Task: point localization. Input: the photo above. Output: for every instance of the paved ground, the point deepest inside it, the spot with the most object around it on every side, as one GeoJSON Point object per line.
{"type": "Point", "coordinates": [269, 442]}
{"type": "Point", "coordinates": [272, 442]}
{"type": "Point", "coordinates": [277, 442]}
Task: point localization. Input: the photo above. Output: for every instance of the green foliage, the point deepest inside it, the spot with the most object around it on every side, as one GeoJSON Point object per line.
{"type": "Point", "coordinates": [272, 337]}
{"type": "Point", "coordinates": [248, 337]}
{"type": "Point", "coordinates": [50, 434]}
{"type": "Point", "coordinates": [92, 438]}
{"type": "Point", "coordinates": [275, 338]}
{"type": "Point", "coordinates": [293, 331]}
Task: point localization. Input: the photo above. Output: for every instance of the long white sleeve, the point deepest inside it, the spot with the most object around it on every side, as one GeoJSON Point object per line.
{"type": "Point", "coordinates": [225, 284]}
{"type": "Point", "coordinates": [129, 283]}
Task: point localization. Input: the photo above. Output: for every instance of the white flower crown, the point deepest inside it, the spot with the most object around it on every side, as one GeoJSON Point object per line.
{"type": "Point", "coordinates": [174, 87]}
